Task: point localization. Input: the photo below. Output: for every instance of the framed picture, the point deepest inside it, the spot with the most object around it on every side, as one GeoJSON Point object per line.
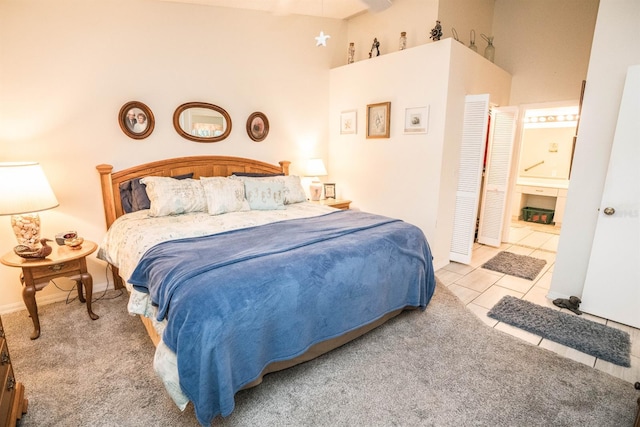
{"type": "Point", "coordinates": [378, 120]}
{"type": "Point", "coordinates": [257, 126]}
{"type": "Point", "coordinates": [349, 122]}
{"type": "Point", "coordinates": [136, 120]}
{"type": "Point", "coordinates": [329, 191]}
{"type": "Point", "coordinates": [416, 120]}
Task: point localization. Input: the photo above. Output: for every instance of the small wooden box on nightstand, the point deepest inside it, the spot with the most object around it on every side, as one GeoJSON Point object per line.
{"type": "Point", "coordinates": [334, 203]}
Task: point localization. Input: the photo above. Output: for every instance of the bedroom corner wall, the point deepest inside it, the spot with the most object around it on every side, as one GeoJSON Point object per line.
{"type": "Point", "coordinates": [68, 66]}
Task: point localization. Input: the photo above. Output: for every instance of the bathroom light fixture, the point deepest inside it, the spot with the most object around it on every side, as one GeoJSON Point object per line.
{"type": "Point", "coordinates": [551, 118]}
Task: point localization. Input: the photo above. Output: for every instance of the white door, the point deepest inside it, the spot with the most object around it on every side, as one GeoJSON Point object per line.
{"type": "Point", "coordinates": [612, 284]}
{"type": "Point", "coordinates": [496, 184]}
{"type": "Point", "coordinates": [474, 139]}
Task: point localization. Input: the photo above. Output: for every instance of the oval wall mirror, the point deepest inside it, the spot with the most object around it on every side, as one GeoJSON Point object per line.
{"type": "Point", "coordinates": [202, 122]}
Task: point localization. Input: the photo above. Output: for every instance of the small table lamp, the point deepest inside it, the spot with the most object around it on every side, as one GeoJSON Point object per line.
{"type": "Point", "coordinates": [315, 168]}
{"type": "Point", "coordinates": [24, 191]}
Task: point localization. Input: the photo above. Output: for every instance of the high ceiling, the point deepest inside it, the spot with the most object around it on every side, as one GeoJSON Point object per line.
{"type": "Point", "coordinates": [338, 9]}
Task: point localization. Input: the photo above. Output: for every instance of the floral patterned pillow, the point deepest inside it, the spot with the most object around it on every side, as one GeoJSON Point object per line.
{"type": "Point", "coordinates": [170, 196]}
{"type": "Point", "coordinates": [293, 191]}
{"type": "Point", "coordinates": [224, 195]}
{"type": "Point", "coordinates": [264, 195]}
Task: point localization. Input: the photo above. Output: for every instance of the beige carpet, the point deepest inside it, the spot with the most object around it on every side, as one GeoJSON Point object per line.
{"type": "Point", "coordinates": [441, 367]}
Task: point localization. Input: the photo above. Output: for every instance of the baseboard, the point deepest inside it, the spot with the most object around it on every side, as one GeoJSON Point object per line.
{"type": "Point", "coordinates": [50, 299]}
{"type": "Point", "coordinates": [555, 295]}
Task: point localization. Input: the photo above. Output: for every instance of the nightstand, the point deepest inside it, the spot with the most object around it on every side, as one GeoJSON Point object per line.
{"type": "Point", "coordinates": [63, 262]}
{"type": "Point", "coordinates": [334, 203]}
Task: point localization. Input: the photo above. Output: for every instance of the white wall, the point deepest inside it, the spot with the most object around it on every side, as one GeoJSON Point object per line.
{"type": "Point", "coordinates": [545, 46]}
{"type": "Point", "coordinates": [412, 177]}
{"type": "Point", "coordinates": [614, 50]}
{"type": "Point", "coordinates": [69, 65]}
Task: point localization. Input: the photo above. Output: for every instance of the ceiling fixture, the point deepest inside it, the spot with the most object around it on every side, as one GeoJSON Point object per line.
{"type": "Point", "coordinates": [321, 40]}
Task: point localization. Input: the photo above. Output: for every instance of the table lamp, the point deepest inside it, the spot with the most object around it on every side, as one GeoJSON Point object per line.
{"type": "Point", "coordinates": [24, 191]}
{"type": "Point", "coordinates": [315, 168]}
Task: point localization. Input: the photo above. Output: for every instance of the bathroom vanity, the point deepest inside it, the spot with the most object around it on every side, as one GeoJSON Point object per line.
{"type": "Point", "coordinates": [546, 151]}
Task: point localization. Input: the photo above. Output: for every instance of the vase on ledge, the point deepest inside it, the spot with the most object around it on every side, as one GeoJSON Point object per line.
{"type": "Point", "coordinates": [490, 50]}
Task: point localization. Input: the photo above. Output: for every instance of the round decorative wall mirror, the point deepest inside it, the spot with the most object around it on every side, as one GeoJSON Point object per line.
{"type": "Point", "coordinates": [202, 122]}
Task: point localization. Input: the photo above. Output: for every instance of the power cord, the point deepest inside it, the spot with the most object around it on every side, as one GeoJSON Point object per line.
{"type": "Point", "coordinates": [70, 299]}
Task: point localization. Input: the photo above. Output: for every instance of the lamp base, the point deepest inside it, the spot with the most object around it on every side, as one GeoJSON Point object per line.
{"type": "Point", "coordinates": [26, 227]}
{"type": "Point", "coordinates": [315, 191]}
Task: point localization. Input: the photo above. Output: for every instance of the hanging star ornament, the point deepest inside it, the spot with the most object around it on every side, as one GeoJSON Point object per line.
{"type": "Point", "coordinates": [321, 40]}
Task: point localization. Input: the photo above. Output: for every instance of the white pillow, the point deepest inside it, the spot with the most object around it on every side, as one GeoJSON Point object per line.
{"type": "Point", "coordinates": [293, 191]}
{"type": "Point", "coordinates": [170, 196]}
{"type": "Point", "coordinates": [224, 195]}
{"type": "Point", "coordinates": [264, 195]}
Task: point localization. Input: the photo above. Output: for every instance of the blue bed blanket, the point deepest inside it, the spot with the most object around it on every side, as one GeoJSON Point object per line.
{"type": "Point", "coordinates": [240, 300]}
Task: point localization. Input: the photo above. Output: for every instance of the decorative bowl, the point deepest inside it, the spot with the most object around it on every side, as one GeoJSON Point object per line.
{"type": "Point", "coordinates": [26, 252]}
{"type": "Point", "coordinates": [74, 243]}
{"type": "Point", "coordinates": [61, 237]}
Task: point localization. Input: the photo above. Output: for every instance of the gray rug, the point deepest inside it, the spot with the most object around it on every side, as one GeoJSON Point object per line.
{"type": "Point", "coordinates": [440, 367]}
{"type": "Point", "coordinates": [595, 339]}
{"type": "Point", "coordinates": [522, 266]}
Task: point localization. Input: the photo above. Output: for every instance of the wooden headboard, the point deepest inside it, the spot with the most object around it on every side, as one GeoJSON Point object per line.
{"type": "Point", "coordinates": [198, 165]}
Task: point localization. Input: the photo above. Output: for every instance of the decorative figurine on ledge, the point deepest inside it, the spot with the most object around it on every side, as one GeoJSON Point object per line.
{"type": "Point", "coordinates": [436, 32]}
{"type": "Point", "coordinates": [375, 48]}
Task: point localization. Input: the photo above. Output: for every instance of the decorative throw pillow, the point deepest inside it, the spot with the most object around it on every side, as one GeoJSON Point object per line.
{"type": "Point", "coordinates": [224, 195]}
{"type": "Point", "coordinates": [133, 194]}
{"type": "Point", "coordinates": [264, 195]}
{"type": "Point", "coordinates": [170, 196]}
{"type": "Point", "coordinates": [292, 191]}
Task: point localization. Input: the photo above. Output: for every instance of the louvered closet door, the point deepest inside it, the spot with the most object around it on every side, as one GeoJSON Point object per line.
{"type": "Point", "coordinates": [494, 193]}
{"type": "Point", "coordinates": [474, 136]}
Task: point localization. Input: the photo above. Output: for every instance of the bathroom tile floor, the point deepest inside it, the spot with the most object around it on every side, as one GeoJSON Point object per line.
{"type": "Point", "coordinates": [480, 289]}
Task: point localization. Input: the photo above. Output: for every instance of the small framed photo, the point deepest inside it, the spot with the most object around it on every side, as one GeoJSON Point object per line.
{"type": "Point", "coordinates": [136, 120]}
{"type": "Point", "coordinates": [348, 122]}
{"type": "Point", "coordinates": [329, 191]}
{"type": "Point", "coordinates": [378, 120]}
{"type": "Point", "coordinates": [416, 120]}
{"type": "Point", "coordinates": [257, 126]}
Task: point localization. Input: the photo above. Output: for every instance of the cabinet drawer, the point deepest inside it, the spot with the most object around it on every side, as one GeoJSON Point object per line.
{"type": "Point", "coordinates": [5, 361]}
{"type": "Point", "coordinates": [56, 269]}
{"type": "Point", "coordinates": [8, 389]}
{"type": "Point", "coordinates": [539, 191]}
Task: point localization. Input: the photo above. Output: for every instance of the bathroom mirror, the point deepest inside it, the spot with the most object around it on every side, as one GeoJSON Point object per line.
{"type": "Point", "coordinates": [202, 122]}
{"type": "Point", "coordinates": [547, 144]}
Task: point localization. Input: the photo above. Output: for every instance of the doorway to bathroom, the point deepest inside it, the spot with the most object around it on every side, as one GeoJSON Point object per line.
{"type": "Point", "coordinates": [542, 165]}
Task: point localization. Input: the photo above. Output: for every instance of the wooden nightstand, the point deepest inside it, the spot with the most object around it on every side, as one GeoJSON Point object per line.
{"type": "Point", "coordinates": [334, 203]}
{"type": "Point", "coordinates": [63, 262]}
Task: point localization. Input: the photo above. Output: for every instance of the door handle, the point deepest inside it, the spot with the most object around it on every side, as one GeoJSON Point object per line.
{"type": "Point", "coordinates": [609, 211]}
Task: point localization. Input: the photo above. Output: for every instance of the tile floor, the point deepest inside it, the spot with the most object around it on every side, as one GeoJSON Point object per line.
{"type": "Point", "coordinates": [481, 289]}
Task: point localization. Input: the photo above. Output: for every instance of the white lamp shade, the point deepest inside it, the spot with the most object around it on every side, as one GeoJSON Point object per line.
{"type": "Point", "coordinates": [315, 167]}
{"type": "Point", "coordinates": [24, 188]}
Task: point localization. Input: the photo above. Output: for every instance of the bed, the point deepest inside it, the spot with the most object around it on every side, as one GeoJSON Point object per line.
{"type": "Point", "coordinates": [235, 275]}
